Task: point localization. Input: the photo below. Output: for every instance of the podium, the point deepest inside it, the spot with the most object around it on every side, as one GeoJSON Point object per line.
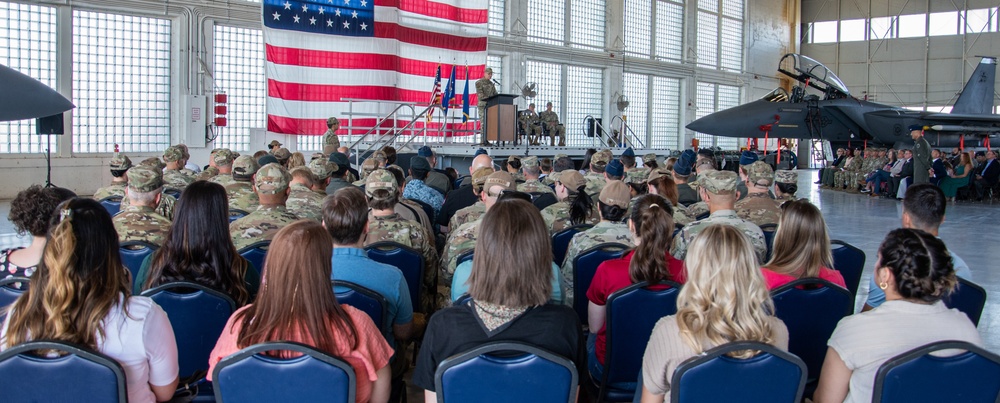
{"type": "Point", "coordinates": [501, 118]}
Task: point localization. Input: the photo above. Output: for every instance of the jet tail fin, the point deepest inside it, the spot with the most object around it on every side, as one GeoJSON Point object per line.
{"type": "Point", "coordinates": [977, 96]}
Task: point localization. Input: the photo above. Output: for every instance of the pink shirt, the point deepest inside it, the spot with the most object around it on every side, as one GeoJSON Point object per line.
{"type": "Point", "coordinates": [775, 280]}
{"type": "Point", "coordinates": [372, 353]}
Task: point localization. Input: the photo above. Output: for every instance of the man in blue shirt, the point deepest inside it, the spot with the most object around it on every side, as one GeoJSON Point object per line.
{"type": "Point", "coordinates": [923, 209]}
{"type": "Point", "coordinates": [417, 190]}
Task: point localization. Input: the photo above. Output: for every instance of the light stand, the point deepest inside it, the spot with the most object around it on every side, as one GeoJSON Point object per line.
{"type": "Point", "coordinates": [48, 160]}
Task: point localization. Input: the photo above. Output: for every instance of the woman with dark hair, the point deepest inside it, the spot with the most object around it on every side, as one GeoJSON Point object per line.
{"type": "Point", "coordinates": [511, 282]}
{"type": "Point", "coordinates": [198, 248]}
{"type": "Point", "coordinates": [30, 212]}
{"type": "Point", "coordinates": [80, 294]}
{"type": "Point", "coordinates": [296, 303]}
{"type": "Point", "coordinates": [652, 228]}
{"type": "Point", "coordinates": [915, 270]}
{"type": "Point", "coordinates": [574, 207]}
{"type": "Point", "coordinates": [587, 156]}
{"type": "Point", "coordinates": [801, 247]}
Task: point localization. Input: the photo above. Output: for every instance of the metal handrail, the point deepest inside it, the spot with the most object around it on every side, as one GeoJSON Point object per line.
{"type": "Point", "coordinates": [601, 133]}
{"type": "Point", "coordinates": [626, 132]}
{"type": "Point", "coordinates": [379, 122]}
{"type": "Point", "coordinates": [382, 141]}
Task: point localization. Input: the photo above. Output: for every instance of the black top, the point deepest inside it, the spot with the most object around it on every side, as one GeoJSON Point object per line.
{"type": "Point", "coordinates": [456, 200]}
{"type": "Point", "coordinates": [686, 195]}
{"type": "Point", "coordinates": [457, 329]}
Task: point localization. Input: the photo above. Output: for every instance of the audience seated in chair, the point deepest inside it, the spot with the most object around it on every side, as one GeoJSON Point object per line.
{"type": "Point", "coordinates": [99, 313]}
{"type": "Point", "coordinates": [915, 272]}
{"type": "Point", "coordinates": [801, 247]}
{"type": "Point", "coordinates": [574, 207]}
{"type": "Point", "coordinates": [31, 212]}
{"type": "Point", "coordinates": [298, 304]}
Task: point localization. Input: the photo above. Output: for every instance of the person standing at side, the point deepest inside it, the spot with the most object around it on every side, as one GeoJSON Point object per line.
{"type": "Point", "coordinates": [330, 140]}
{"type": "Point", "coordinates": [921, 156]}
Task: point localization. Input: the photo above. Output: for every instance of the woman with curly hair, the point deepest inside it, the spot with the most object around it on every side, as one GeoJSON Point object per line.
{"type": "Point", "coordinates": [30, 212]}
{"type": "Point", "coordinates": [723, 300]}
{"type": "Point", "coordinates": [915, 271]}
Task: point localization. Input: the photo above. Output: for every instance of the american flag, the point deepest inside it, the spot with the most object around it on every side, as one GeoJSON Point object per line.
{"type": "Point", "coordinates": [435, 94]}
{"type": "Point", "coordinates": [321, 52]}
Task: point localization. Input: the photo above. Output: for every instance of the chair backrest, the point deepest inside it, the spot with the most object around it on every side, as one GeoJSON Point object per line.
{"type": "Point", "coordinates": [541, 200]}
{"type": "Point", "coordinates": [236, 214]}
{"type": "Point", "coordinates": [428, 209]}
{"type": "Point", "coordinates": [560, 241]}
{"type": "Point", "coordinates": [850, 262]}
{"type": "Point", "coordinates": [82, 374]}
{"type": "Point", "coordinates": [250, 376]}
{"type": "Point", "coordinates": [515, 372]}
{"type": "Point", "coordinates": [971, 376]}
{"type": "Point", "coordinates": [407, 260]}
{"type": "Point", "coordinates": [465, 256]}
{"type": "Point", "coordinates": [811, 309]}
{"type": "Point", "coordinates": [9, 294]}
{"type": "Point", "coordinates": [769, 230]}
{"type": "Point", "coordinates": [173, 192]}
{"type": "Point", "coordinates": [133, 253]}
{"type": "Point", "coordinates": [702, 216]}
{"type": "Point", "coordinates": [969, 298]}
{"type": "Point", "coordinates": [113, 204]}
{"type": "Point", "coordinates": [366, 300]}
{"type": "Point", "coordinates": [256, 254]}
{"type": "Point", "coordinates": [584, 266]}
{"type": "Point", "coordinates": [631, 314]}
{"type": "Point", "coordinates": [198, 315]}
{"type": "Point", "coordinates": [770, 376]}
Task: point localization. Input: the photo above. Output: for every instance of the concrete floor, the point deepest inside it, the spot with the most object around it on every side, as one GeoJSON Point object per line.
{"type": "Point", "coordinates": [863, 222]}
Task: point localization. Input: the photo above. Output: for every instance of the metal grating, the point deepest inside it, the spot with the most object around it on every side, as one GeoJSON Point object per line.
{"type": "Point", "coordinates": [239, 71]}
{"type": "Point", "coordinates": [28, 45]}
{"type": "Point", "coordinates": [637, 26]}
{"type": "Point", "coordinates": [666, 113]}
{"type": "Point", "coordinates": [585, 93]}
{"type": "Point", "coordinates": [586, 24]}
{"type": "Point", "coordinates": [637, 113]}
{"type": "Point", "coordinates": [669, 30]}
{"type": "Point", "coordinates": [547, 21]}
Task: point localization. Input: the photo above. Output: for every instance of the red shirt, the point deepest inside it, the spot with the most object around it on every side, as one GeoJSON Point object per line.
{"type": "Point", "coordinates": [611, 276]}
{"type": "Point", "coordinates": [775, 280]}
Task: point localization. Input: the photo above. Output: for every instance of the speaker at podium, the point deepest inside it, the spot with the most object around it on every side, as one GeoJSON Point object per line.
{"type": "Point", "coordinates": [501, 118]}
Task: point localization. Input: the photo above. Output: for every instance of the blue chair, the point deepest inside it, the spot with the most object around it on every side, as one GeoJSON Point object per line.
{"type": "Point", "coordinates": [82, 374]}
{"type": "Point", "coordinates": [811, 309]}
{"type": "Point", "coordinates": [702, 216]}
{"type": "Point", "coordinates": [969, 298]}
{"type": "Point", "coordinates": [465, 256]}
{"type": "Point", "coordinates": [917, 376]}
{"type": "Point", "coordinates": [560, 241]}
{"type": "Point", "coordinates": [771, 375]}
{"type": "Point", "coordinates": [9, 294]}
{"type": "Point", "coordinates": [769, 230]}
{"type": "Point", "coordinates": [428, 209]}
{"type": "Point", "coordinates": [631, 314]}
{"type": "Point", "coordinates": [850, 262]}
{"type": "Point", "coordinates": [236, 214]}
{"type": "Point", "coordinates": [584, 266]}
{"type": "Point", "coordinates": [133, 253]}
{"type": "Point", "coordinates": [198, 315]}
{"type": "Point", "coordinates": [506, 372]}
{"type": "Point", "coordinates": [113, 204]}
{"type": "Point", "coordinates": [255, 254]}
{"type": "Point", "coordinates": [250, 376]}
{"type": "Point", "coordinates": [366, 300]}
{"type": "Point", "coordinates": [407, 260]}
{"type": "Point", "coordinates": [176, 193]}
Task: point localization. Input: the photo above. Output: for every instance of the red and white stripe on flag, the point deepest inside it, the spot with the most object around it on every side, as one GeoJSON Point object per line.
{"type": "Point", "coordinates": [313, 68]}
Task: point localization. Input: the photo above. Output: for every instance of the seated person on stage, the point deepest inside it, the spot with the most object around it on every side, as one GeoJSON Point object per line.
{"type": "Point", "coordinates": [531, 124]}
{"type": "Point", "coordinates": [550, 121]}
{"type": "Point", "coordinates": [801, 247]}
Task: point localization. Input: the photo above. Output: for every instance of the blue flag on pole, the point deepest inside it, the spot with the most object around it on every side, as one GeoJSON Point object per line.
{"type": "Point", "coordinates": [465, 98]}
{"type": "Point", "coordinates": [449, 91]}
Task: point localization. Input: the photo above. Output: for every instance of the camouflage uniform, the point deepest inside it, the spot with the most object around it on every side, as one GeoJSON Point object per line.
{"type": "Point", "coordinates": [305, 203]}
{"type": "Point", "coordinates": [207, 174]}
{"type": "Point", "coordinates": [165, 208]}
{"type": "Point", "coordinates": [330, 139]}
{"type": "Point", "coordinates": [394, 228]}
{"type": "Point", "coordinates": [459, 241]}
{"type": "Point", "coordinates": [530, 124]}
{"type": "Point", "coordinates": [465, 215]}
{"type": "Point", "coordinates": [534, 186]}
{"type": "Point", "coordinates": [788, 177]}
{"type": "Point", "coordinates": [557, 219]}
{"type": "Point", "coordinates": [596, 181]}
{"type": "Point", "coordinates": [681, 215]}
{"type": "Point", "coordinates": [240, 192]}
{"type": "Point", "coordinates": [840, 177]}
{"type": "Point", "coordinates": [697, 209]}
{"type": "Point", "coordinates": [828, 173]}
{"type": "Point", "coordinates": [602, 232]}
{"type": "Point", "coordinates": [718, 183]}
{"type": "Point", "coordinates": [551, 120]}
{"type": "Point", "coordinates": [484, 89]}
{"type": "Point", "coordinates": [759, 208]}
{"type": "Point", "coordinates": [119, 162]}
{"type": "Point", "coordinates": [141, 223]}
{"type": "Point", "coordinates": [175, 178]}
{"type": "Point", "coordinates": [262, 224]}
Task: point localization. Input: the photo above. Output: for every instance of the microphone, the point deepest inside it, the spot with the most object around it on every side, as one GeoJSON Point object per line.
{"type": "Point", "coordinates": [495, 81]}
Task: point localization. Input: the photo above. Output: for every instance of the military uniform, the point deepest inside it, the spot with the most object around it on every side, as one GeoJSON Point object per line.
{"type": "Point", "coordinates": [114, 189]}
{"type": "Point", "coordinates": [551, 121]}
{"type": "Point", "coordinates": [305, 203]}
{"type": "Point", "coordinates": [921, 160]}
{"type": "Point", "coordinates": [394, 228]}
{"type": "Point", "coordinates": [840, 178]}
{"type": "Point", "coordinates": [557, 218]}
{"type": "Point", "coordinates": [484, 89]}
{"type": "Point", "coordinates": [787, 177]}
{"type": "Point", "coordinates": [330, 139]}
{"type": "Point", "coordinates": [727, 217]}
{"type": "Point", "coordinates": [697, 209]}
{"type": "Point", "coordinates": [534, 186]}
{"type": "Point", "coordinates": [828, 173]}
{"type": "Point", "coordinates": [465, 215]}
{"type": "Point", "coordinates": [262, 224]}
{"type": "Point", "coordinates": [459, 241]}
{"type": "Point", "coordinates": [531, 125]}
{"type": "Point", "coordinates": [141, 223]}
{"type": "Point", "coordinates": [681, 216]}
{"type": "Point", "coordinates": [176, 179]}
{"type": "Point", "coordinates": [758, 208]}
{"type": "Point", "coordinates": [602, 232]}
{"type": "Point", "coordinates": [165, 208]}
{"type": "Point", "coordinates": [207, 174]}
{"type": "Point", "coordinates": [242, 197]}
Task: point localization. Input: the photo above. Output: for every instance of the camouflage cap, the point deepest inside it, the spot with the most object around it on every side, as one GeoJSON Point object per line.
{"type": "Point", "coordinates": [529, 161]}
{"type": "Point", "coordinates": [184, 149]}
{"type": "Point", "coordinates": [572, 179]}
{"type": "Point", "coordinates": [489, 70]}
{"type": "Point", "coordinates": [271, 179]}
{"type": "Point", "coordinates": [558, 156]}
{"type": "Point", "coordinates": [759, 173]}
{"type": "Point", "coordinates": [153, 162]}
{"type": "Point", "coordinates": [786, 176]}
{"type": "Point", "coordinates": [172, 154]}
{"type": "Point", "coordinates": [144, 179]}
{"type": "Point", "coordinates": [718, 182]}
{"type": "Point", "coordinates": [120, 162]}
{"type": "Point", "coordinates": [636, 176]}
{"type": "Point", "coordinates": [244, 167]}
{"type": "Point", "coordinates": [369, 165]}
{"type": "Point", "coordinates": [602, 157]}
{"type": "Point", "coordinates": [274, 143]}
{"type": "Point", "coordinates": [381, 179]}
{"type": "Point", "coordinates": [616, 193]}
{"type": "Point", "coordinates": [223, 157]}
{"type": "Point", "coordinates": [322, 168]}
{"type": "Point", "coordinates": [651, 157]}
{"type": "Point", "coordinates": [657, 174]}
{"type": "Point", "coordinates": [502, 179]}
{"type": "Point", "coordinates": [479, 177]}
{"type": "Point", "coordinates": [513, 158]}
{"type": "Point", "coordinates": [282, 154]}
{"type": "Point", "coordinates": [332, 121]}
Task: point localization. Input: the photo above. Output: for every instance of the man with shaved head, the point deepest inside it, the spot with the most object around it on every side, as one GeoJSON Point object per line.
{"type": "Point", "coordinates": [463, 196]}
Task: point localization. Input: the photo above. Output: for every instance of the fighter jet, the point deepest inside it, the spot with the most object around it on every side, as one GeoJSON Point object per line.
{"type": "Point", "coordinates": [839, 117]}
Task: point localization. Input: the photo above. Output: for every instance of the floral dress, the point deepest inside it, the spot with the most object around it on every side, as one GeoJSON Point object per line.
{"type": "Point", "coordinates": [8, 269]}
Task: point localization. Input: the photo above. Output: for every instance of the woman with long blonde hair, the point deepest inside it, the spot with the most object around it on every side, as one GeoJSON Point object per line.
{"type": "Point", "coordinates": [81, 294]}
{"type": "Point", "coordinates": [801, 247]}
{"type": "Point", "coordinates": [723, 300]}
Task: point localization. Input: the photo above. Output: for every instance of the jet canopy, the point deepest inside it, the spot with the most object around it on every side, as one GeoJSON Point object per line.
{"type": "Point", "coordinates": [808, 71]}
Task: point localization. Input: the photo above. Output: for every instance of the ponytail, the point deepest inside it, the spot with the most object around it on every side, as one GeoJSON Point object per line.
{"type": "Point", "coordinates": [582, 207]}
{"type": "Point", "coordinates": [653, 220]}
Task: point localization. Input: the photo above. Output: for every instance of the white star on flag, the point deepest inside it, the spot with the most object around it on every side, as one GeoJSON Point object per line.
{"type": "Point", "coordinates": [354, 14]}
{"type": "Point", "coordinates": [305, 8]}
{"type": "Point", "coordinates": [347, 25]}
{"type": "Point", "coordinates": [364, 27]}
{"type": "Point", "coordinates": [364, 3]}
{"type": "Point", "coordinates": [347, 2]}
{"type": "Point", "coordinates": [296, 19]}
{"type": "Point", "coordinates": [312, 20]}
{"type": "Point", "coordinates": [288, 6]}
{"type": "Point", "coordinates": [277, 17]}
{"type": "Point", "coordinates": [338, 12]}
{"type": "Point", "coordinates": [329, 23]}
{"type": "Point", "coordinates": [321, 11]}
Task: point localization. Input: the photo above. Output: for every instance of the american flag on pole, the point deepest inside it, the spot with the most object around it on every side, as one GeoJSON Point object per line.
{"type": "Point", "coordinates": [435, 94]}
{"type": "Point", "coordinates": [322, 52]}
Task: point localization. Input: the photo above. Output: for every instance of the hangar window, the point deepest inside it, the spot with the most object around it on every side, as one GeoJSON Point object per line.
{"type": "Point", "coordinates": [586, 24]}
{"type": "Point", "coordinates": [495, 19]}
{"type": "Point", "coordinates": [239, 71]}
{"type": "Point", "coordinates": [852, 30]}
{"type": "Point", "coordinates": [666, 113]}
{"type": "Point", "coordinates": [945, 23]}
{"type": "Point", "coordinates": [822, 32]}
{"type": "Point", "coordinates": [882, 28]}
{"type": "Point", "coordinates": [637, 91]}
{"type": "Point", "coordinates": [720, 34]}
{"type": "Point", "coordinates": [547, 21]}
{"type": "Point", "coordinates": [713, 98]}
{"type": "Point", "coordinates": [28, 43]}
{"type": "Point", "coordinates": [585, 95]}
{"type": "Point", "coordinates": [669, 29]}
{"type": "Point", "coordinates": [980, 20]}
{"type": "Point", "coordinates": [912, 25]}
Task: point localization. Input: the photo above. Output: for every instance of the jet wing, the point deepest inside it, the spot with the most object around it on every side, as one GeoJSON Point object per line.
{"type": "Point", "coordinates": [952, 117]}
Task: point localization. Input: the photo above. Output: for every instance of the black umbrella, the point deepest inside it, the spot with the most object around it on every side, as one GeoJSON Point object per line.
{"type": "Point", "coordinates": [23, 97]}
